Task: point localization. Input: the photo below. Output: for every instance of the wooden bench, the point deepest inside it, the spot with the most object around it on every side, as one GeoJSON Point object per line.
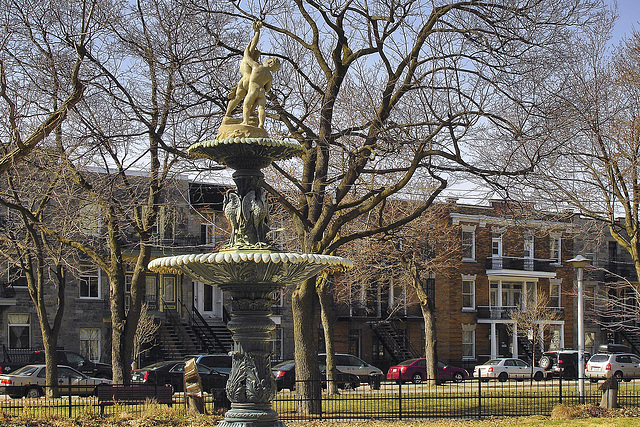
{"type": "Point", "coordinates": [133, 394]}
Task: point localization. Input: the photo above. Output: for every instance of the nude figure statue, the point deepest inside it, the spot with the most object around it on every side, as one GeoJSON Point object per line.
{"type": "Point", "coordinates": [252, 53]}
{"type": "Point", "coordinates": [255, 82]}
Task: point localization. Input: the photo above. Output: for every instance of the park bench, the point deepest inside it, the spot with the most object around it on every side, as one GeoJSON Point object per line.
{"type": "Point", "coordinates": [133, 394]}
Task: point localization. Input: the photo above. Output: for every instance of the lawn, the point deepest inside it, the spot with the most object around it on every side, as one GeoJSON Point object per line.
{"type": "Point", "coordinates": [160, 416]}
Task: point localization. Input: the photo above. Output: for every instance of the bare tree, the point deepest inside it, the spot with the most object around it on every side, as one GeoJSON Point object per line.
{"type": "Point", "coordinates": [126, 141]}
{"type": "Point", "coordinates": [383, 93]}
{"type": "Point", "coordinates": [596, 128]}
{"type": "Point", "coordinates": [409, 258]}
{"type": "Point", "coordinates": [530, 320]}
{"type": "Point", "coordinates": [42, 49]}
{"type": "Point", "coordinates": [145, 333]}
{"type": "Point", "coordinates": [42, 261]}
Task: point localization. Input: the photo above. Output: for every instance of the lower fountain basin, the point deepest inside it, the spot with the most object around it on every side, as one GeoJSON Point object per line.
{"type": "Point", "coordinates": [250, 267]}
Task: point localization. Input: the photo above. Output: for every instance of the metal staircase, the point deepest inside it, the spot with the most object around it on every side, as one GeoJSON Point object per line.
{"type": "Point", "coordinates": [196, 335]}
{"type": "Point", "coordinates": [633, 338]}
{"type": "Point", "coordinates": [398, 346]}
{"type": "Point", "coordinates": [524, 351]}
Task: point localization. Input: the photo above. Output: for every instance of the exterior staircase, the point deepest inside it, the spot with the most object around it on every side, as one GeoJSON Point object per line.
{"type": "Point", "coordinates": [524, 351]}
{"type": "Point", "coordinates": [633, 338]}
{"type": "Point", "coordinates": [395, 343]}
{"type": "Point", "coordinates": [180, 338]}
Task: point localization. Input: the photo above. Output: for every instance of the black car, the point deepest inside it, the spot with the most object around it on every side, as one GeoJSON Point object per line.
{"type": "Point", "coordinates": [220, 362]}
{"type": "Point", "coordinates": [76, 361]}
{"type": "Point", "coordinates": [172, 373]}
{"type": "Point", "coordinates": [563, 363]}
{"type": "Point", "coordinates": [285, 375]}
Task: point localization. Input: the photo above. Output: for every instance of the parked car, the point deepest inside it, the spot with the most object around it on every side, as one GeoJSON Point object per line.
{"type": "Point", "coordinates": [220, 362]}
{"type": "Point", "coordinates": [624, 366]}
{"type": "Point", "coordinates": [508, 368]}
{"type": "Point", "coordinates": [285, 376]}
{"type": "Point", "coordinates": [76, 361]}
{"type": "Point", "coordinates": [561, 363]}
{"type": "Point", "coordinates": [416, 370]}
{"type": "Point", "coordinates": [354, 365]}
{"type": "Point", "coordinates": [30, 381]}
{"type": "Point", "coordinates": [172, 373]}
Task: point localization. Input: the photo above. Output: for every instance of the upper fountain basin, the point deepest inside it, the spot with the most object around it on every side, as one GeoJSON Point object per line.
{"type": "Point", "coordinates": [246, 153]}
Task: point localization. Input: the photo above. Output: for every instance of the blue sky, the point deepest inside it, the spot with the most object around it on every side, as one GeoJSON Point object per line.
{"type": "Point", "coordinates": [629, 15]}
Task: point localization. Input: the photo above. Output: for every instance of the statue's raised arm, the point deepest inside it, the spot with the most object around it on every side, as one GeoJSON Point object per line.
{"type": "Point", "coordinates": [254, 83]}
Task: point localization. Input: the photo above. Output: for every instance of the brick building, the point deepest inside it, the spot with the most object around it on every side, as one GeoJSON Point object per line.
{"type": "Point", "coordinates": [509, 256]}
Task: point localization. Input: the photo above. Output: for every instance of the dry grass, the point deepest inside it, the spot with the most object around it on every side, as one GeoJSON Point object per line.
{"type": "Point", "coordinates": [154, 415]}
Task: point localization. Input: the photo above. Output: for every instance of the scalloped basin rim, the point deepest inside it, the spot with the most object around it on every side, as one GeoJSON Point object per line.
{"type": "Point", "coordinates": [265, 257]}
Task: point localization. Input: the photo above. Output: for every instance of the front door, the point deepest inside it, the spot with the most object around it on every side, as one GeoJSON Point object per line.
{"type": "Point", "coordinates": [208, 300]}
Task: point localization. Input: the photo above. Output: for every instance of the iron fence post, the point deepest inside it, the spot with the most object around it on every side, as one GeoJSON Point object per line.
{"type": "Point", "coordinates": [399, 400]}
{"type": "Point", "coordinates": [479, 396]}
{"type": "Point", "coordinates": [70, 414]}
{"type": "Point", "coordinates": [560, 388]}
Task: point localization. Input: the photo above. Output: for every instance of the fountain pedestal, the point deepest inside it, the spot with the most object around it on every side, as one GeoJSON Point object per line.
{"type": "Point", "coordinates": [250, 270]}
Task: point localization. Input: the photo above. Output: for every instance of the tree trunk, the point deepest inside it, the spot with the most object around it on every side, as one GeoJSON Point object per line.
{"type": "Point", "coordinates": [50, 343]}
{"type": "Point", "coordinates": [327, 317]}
{"type": "Point", "coordinates": [430, 343]}
{"type": "Point", "coordinates": [303, 305]}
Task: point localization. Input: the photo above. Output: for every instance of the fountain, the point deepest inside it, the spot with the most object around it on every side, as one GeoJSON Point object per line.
{"type": "Point", "coordinates": [248, 267]}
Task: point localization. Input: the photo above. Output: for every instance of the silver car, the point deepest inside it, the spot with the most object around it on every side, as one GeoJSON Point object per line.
{"type": "Point", "coordinates": [507, 368]}
{"type": "Point", "coordinates": [624, 366]}
{"type": "Point", "coordinates": [353, 365]}
{"type": "Point", "coordinates": [30, 381]}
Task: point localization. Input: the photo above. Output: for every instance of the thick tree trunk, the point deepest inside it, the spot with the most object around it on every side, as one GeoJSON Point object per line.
{"type": "Point", "coordinates": [430, 343]}
{"type": "Point", "coordinates": [50, 343]}
{"type": "Point", "coordinates": [327, 317]}
{"type": "Point", "coordinates": [308, 390]}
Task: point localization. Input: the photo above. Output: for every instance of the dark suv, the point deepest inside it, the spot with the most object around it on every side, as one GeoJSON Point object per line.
{"type": "Point", "coordinates": [219, 362]}
{"type": "Point", "coordinates": [563, 363]}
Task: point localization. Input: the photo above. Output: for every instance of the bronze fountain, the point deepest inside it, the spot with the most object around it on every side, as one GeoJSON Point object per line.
{"type": "Point", "coordinates": [249, 268]}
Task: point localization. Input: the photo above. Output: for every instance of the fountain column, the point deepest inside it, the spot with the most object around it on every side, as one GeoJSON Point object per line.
{"type": "Point", "coordinates": [248, 267]}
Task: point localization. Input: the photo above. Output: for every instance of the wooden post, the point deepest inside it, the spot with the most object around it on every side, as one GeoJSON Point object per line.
{"type": "Point", "coordinates": [193, 388]}
{"type": "Point", "coordinates": [609, 393]}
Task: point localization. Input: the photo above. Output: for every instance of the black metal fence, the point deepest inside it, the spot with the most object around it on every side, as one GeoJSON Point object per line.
{"type": "Point", "coordinates": [467, 399]}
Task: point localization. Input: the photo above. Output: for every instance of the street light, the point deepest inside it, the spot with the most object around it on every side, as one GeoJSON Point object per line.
{"type": "Point", "coordinates": [579, 263]}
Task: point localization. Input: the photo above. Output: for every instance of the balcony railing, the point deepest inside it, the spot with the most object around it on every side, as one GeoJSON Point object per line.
{"type": "Point", "coordinates": [502, 312]}
{"type": "Point", "coordinates": [522, 264]}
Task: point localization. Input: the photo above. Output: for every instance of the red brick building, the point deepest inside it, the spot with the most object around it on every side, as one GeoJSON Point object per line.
{"type": "Point", "coordinates": [509, 256]}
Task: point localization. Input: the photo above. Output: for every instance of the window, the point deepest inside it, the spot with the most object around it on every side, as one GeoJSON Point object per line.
{"type": "Point", "coordinates": [468, 342]}
{"type": "Point", "coordinates": [90, 219]}
{"type": "Point", "coordinates": [555, 337]}
{"type": "Point", "coordinates": [554, 292]}
{"type": "Point", "coordinates": [208, 234]}
{"type": "Point", "coordinates": [555, 253]}
{"type": "Point", "coordinates": [127, 292]}
{"type": "Point", "coordinates": [90, 284]}
{"type": "Point", "coordinates": [163, 231]}
{"type": "Point", "coordinates": [90, 343]}
{"type": "Point", "coordinates": [496, 251]}
{"type": "Point", "coordinates": [468, 243]}
{"type": "Point", "coordinates": [528, 253]}
{"type": "Point", "coordinates": [468, 292]}
{"type": "Point", "coordinates": [16, 277]}
{"type": "Point", "coordinates": [19, 330]}
{"type": "Point", "coordinates": [151, 292]}
{"type": "Point", "coordinates": [276, 344]}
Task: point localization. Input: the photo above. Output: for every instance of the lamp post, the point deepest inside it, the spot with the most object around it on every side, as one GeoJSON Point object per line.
{"type": "Point", "coordinates": [579, 262]}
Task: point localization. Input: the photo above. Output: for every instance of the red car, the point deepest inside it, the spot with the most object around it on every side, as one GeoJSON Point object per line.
{"type": "Point", "coordinates": [416, 370]}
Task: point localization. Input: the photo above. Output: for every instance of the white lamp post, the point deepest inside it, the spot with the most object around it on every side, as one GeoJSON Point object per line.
{"type": "Point", "coordinates": [579, 262]}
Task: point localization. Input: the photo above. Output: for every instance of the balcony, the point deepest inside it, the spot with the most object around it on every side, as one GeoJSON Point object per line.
{"type": "Point", "coordinates": [521, 264]}
{"type": "Point", "coordinates": [502, 312]}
